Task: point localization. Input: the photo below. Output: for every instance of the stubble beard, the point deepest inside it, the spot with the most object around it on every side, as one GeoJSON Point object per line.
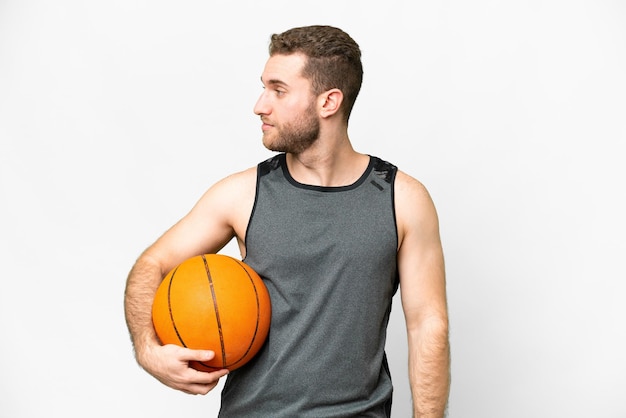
{"type": "Point", "coordinates": [295, 137]}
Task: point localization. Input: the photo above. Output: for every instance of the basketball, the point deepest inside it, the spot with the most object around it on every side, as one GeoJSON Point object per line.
{"type": "Point", "coordinates": [213, 302]}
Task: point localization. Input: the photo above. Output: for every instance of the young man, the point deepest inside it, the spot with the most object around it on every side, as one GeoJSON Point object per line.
{"type": "Point", "coordinates": [333, 232]}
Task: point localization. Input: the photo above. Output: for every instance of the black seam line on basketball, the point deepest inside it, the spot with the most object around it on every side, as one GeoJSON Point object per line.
{"type": "Point", "coordinates": [169, 305]}
{"type": "Point", "coordinates": [258, 312]}
{"type": "Point", "coordinates": [217, 312]}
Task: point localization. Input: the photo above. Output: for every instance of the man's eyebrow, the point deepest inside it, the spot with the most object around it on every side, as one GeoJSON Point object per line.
{"type": "Point", "coordinates": [274, 82]}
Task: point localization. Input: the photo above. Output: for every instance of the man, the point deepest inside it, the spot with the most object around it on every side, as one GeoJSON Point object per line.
{"type": "Point", "coordinates": [333, 233]}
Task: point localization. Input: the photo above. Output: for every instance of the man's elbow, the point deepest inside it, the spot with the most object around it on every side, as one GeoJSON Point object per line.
{"type": "Point", "coordinates": [432, 328]}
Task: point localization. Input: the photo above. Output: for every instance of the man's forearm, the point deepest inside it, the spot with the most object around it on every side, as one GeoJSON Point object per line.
{"type": "Point", "coordinates": [429, 369]}
{"type": "Point", "coordinates": [143, 280]}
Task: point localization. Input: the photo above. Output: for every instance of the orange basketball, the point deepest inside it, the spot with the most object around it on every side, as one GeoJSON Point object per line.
{"type": "Point", "coordinates": [213, 302]}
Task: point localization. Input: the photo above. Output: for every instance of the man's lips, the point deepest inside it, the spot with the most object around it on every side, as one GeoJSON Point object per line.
{"type": "Point", "coordinates": [265, 125]}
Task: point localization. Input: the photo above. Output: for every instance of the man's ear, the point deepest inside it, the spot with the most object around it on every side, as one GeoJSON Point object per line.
{"type": "Point", "coordinates": [330, 102]}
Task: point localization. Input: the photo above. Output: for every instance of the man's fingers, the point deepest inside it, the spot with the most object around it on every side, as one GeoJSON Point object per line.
{"type": "Point", "coordinates": [204, 382]}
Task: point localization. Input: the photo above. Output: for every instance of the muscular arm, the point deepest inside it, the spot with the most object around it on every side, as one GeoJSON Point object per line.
{"type": "Point", "coordinates": [422, 285]}
{"type": "Point", "coordinates": [168, 364]}
{"type": "Point", "coordinates": [221, 214]}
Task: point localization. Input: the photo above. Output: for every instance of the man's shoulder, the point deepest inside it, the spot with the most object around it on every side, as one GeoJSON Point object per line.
{"type": "Point", "coordinates": [411, 195]}
{"type": "Point", "coordinates": [234, 186]}
{"type": "Point", "coordinates": [414, 205]}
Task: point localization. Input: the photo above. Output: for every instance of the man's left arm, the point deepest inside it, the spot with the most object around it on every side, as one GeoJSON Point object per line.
{"type": "Point", "coordinates": [423, 292]}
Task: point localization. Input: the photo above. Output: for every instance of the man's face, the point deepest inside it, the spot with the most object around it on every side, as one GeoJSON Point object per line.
{"type": "Point", "coordinates": [287, 107]}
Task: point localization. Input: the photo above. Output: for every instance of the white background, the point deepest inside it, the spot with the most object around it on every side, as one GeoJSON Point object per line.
{"type": "Point", "coordinates": [116, 115]}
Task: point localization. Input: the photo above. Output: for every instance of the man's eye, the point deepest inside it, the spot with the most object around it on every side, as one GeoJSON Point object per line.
{"type": "Point", "coordinates": [279, 92]}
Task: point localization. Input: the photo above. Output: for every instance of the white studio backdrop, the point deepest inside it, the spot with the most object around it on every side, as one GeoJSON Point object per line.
{"type": "Point", "coordinates": [116, 116]}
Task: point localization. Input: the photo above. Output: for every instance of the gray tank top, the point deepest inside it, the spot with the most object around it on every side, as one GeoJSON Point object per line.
{"type": "Point", "coordinates": [328, 258]}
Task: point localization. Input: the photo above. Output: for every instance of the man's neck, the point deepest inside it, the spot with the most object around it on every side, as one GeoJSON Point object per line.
{"type": "Point", "coordinates": [330, 167]}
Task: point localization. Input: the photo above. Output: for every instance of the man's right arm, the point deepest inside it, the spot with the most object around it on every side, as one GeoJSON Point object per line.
{"type": "Point", "coordinates": [169, 364]}
{"type": "Point", "coordinates": [221, 214]}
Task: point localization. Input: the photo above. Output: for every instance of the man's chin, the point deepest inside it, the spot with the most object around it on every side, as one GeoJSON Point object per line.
{"type": "Point", "coordinates": [267, 142]}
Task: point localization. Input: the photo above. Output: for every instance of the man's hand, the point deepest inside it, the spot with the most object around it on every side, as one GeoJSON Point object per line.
{"type": "Point", "coordinates": [170, 365]}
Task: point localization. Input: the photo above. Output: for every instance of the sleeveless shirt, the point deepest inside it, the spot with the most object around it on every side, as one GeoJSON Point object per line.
{"type": "Point", "coordinates": [328, 256]}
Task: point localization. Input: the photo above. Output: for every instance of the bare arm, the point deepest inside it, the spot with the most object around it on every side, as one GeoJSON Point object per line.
{"type": "Point", "coordinates": [221, 214]}
{"type": "Point", "coordinates": [422, 285]}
